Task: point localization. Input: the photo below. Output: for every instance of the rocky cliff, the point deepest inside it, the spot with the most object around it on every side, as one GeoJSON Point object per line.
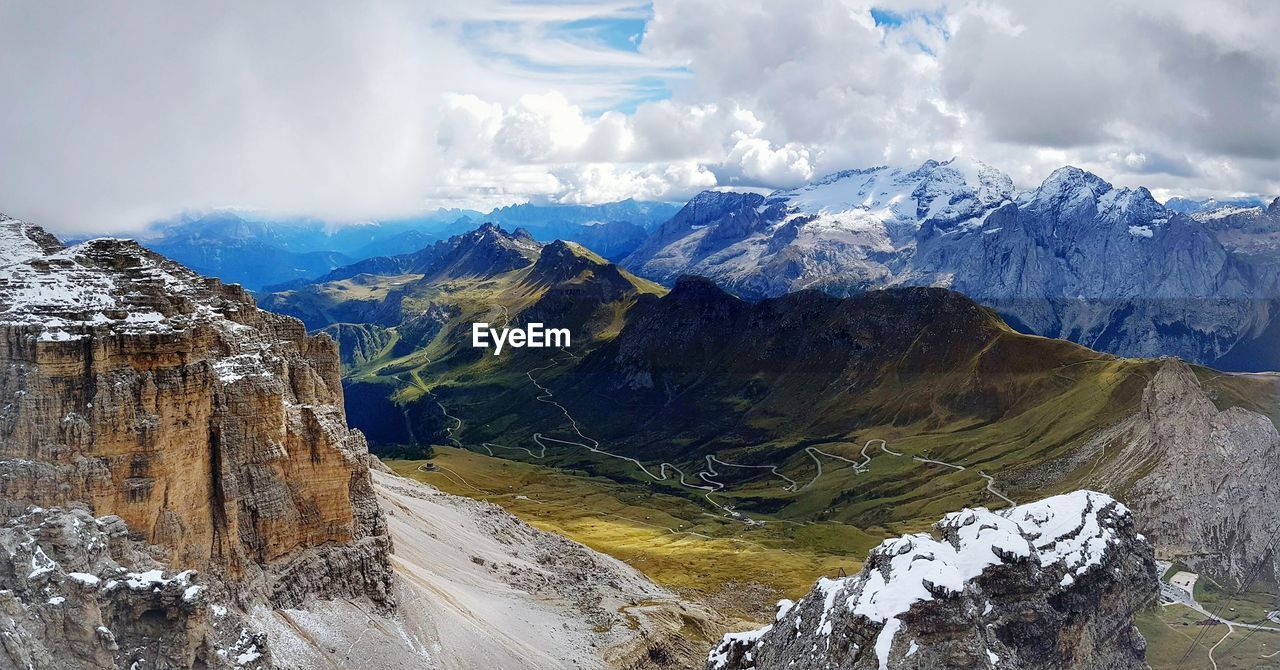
{"type": "Point", "coordinates": [163, 410]}
{"type": "Point", "coordinates": [1051, 584]}
{"type": "Point", "coordinates": [1204, 481]}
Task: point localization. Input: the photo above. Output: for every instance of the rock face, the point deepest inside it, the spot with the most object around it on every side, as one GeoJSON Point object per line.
{"type": "Point", "coordinates": [1051, 584]}
{"type": "Point", "coordinates": [1204, 482]}
{"type": "Point", "coordinates": [80, 592]}
{"type": "Point", "coordinates": [137, 391]}
{"type": "Point", "coordinates": [1075, 258]}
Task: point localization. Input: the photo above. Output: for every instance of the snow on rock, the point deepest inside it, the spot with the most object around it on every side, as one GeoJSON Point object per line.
{"type": "Point", "coordinates": [49, 616]}
{"type": "Point", "coordinates": [84, 578]}
{"type": "Point", "coordinates": [1064, 542]}
{"type": "Point", "coordinates": [153, 580]}
{"type": "Point", "coordinates": [20, 241]}
{"type": "Point", "coordinates": [102, 286]}
{"type": "Point", "coordinates": [840, 231]}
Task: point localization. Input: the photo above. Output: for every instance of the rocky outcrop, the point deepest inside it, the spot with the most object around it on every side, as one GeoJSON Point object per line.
{"type": "Point", "coordinates": [1051, 584]}
{"type": "Point", "coordinates": [80, 592]}
{"type": "Point", "coordinates": [1204, 482]}
{"type": "Point", "coordinates": [135, 390]}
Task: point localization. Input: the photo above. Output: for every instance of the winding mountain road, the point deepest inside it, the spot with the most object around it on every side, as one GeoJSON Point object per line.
{"type": "Point", "coordinates": [708, 475]}
{"type": "Point", "coordinates": [711, 470]}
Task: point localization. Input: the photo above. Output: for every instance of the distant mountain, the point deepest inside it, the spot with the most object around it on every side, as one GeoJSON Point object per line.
{"type": "Point", "coordinates": [1200, 206]}
{"type": "Point", "coordinates": [260, 252]}
{"type": "Point", "coordinates": [242, 252]}
{"type": "Point", "coordinates": [647, 215]}
{"type": "Point", "coordinates": [395, 318]}
{"type": "Point", "coordinates": [370, 291]}
{"type": "Point", "coordinates": [409, 240]}
{"type": "Point", "coordinates": [1074, 258]}
{"type": "Point", "coordinates": [612, 230]}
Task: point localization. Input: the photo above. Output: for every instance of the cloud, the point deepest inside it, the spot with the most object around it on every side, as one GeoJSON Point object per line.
{"type": "Point", "coordinates": [663, 150]}
{"type": "Point", "coordinates": [1026, 86]}
{"type": "Point", "coordinates": [755, 162]}
{"type": "Point", "coordinates": [606, 182]}
{"type": "Point", "coordinates": [123, 113]}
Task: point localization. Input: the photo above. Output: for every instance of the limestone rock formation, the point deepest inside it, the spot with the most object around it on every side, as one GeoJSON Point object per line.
{"type": "Point", "coordinates": [80, 592]}
{"type": "Point", "coordinates": [1051, 584]}
{"type": "Point", "coordinates": [1204, 482]}
{"type": "Point", "coordinates": [136, 391]}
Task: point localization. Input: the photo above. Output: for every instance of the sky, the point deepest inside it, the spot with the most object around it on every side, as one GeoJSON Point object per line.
{"type": "Point", "coordinates": [117, 114]}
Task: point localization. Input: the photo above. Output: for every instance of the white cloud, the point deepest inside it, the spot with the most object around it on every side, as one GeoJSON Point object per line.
{"type": "Point", "coordinates": [758, 162]}
{"type": "Point", "coordinates": [117, 114]}
{"type": "Point", "coordinates": [662, 151]}
{"type": "Point", "coordinates": [606, 182]}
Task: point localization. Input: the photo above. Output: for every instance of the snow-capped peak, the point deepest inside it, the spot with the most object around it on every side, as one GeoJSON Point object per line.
{"type": "Point", "coordinates": [1065, 185]}
{"type": "Point", "coordinates": [1071, 194]}
{"type": "Point", "coordinates": [993, 186]}
{"type": "Point", "coordinates": [902, 199]}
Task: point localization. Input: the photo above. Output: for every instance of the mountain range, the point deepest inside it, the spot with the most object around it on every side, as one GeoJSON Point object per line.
{"type": "Point", "coordinates": [1074, 258]}
{"type": "Point", "coordinates": [741, 396]}
{"type": "Point", "coordinates": [809, 422]}
{"type": "Point", "coordinates": [261, 252]}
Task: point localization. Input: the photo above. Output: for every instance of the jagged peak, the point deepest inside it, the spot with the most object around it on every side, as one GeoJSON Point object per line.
{"type": "Point", "coordinates": [1274, 207]}
{"type": "Point", "coordinates": [1070, 192]}
{"type": "Point", "coordinates": [491, 233]}
{"type": "Point", "coordinates": [1071, 178]}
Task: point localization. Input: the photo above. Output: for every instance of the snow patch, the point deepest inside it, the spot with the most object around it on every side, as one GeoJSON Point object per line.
{"type": "Point", "coordinates": [84, 578]}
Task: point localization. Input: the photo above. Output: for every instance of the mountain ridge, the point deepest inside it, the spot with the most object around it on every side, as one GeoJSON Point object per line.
{"type": "Point", "coordinates": [1074, 257]}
